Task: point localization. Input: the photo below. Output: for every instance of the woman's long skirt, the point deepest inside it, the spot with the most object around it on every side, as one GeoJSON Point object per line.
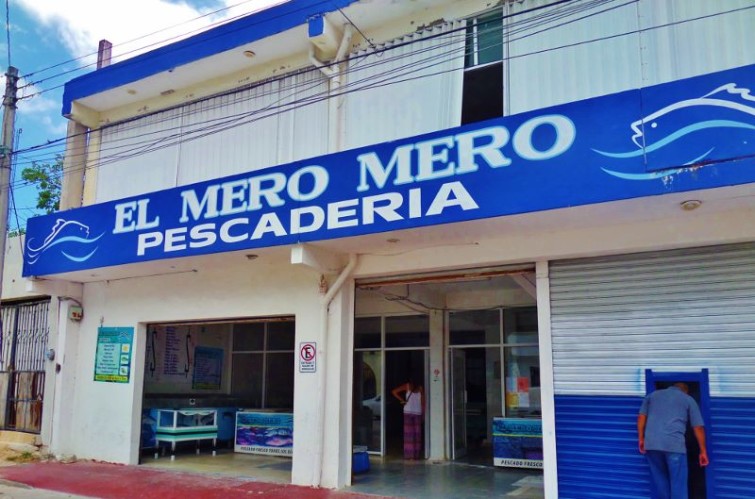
{"type": "Point", "coordinates": [412, 436]}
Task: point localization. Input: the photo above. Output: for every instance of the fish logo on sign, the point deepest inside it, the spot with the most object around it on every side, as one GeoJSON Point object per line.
{"type": "Point", "coordinates": [74, 235]}
{"type": "Point", "coordinates": [726, 107]}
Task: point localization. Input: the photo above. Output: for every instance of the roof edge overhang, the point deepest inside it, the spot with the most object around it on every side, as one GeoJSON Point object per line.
{"type": "Point", "coordinates": [247, 29]}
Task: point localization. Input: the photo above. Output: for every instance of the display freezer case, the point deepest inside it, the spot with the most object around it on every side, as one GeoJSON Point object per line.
{"type": "Point", "coordinates": [185, 425]}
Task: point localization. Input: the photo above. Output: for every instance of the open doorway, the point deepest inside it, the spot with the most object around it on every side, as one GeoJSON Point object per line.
{"type": "Point", "coordinates": [400, 367]}
{"type": "Point", "coordinates": [220, 394]}
{"type": "Point", "coordinates": [389, 351]}
{"type": "Point", "coordinates": [698, 390]}
{"type": "Point", "coordinates": [471, 339]}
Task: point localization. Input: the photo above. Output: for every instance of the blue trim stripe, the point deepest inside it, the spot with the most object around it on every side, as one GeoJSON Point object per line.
{"type": "Point", "coordinates": [596, 442]}
{"type": "Point", "coordinates": [731, 443]}
{"type": "Point", "coordinates": [214, 41]}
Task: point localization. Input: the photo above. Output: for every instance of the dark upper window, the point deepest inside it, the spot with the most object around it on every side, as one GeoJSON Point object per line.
{"type": "Point", "coordinates": [483, 74]}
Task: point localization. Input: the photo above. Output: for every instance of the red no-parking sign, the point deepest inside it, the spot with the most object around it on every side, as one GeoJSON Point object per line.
{"type": "Point", "coordinates": [308, 357]}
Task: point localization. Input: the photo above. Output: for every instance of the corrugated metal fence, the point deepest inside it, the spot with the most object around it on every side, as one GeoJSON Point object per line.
{"type": "Point", "coordinates": [22, 364]}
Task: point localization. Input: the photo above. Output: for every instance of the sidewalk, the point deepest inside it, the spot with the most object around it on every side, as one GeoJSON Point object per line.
{"type": "Point", "coordinates": [113, 481]}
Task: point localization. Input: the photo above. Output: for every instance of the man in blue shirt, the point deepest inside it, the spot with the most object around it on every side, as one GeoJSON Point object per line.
{"type": "Point", "coordinates": [661, 426]}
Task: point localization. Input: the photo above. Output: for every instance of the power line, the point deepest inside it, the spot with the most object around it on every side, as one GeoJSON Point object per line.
{"type": "Point", "coordinates": [252, 116]}
{"type": "Point", "coordinates": [372, 45]}
{"type": "Point", "coordinates": [7, 28]}
{"type": "Point", "coordinates": [152, 144]}
{"type": "Point", "coordinates": [191, 43]}
{"type": "Point", "coordinates": [181, 137]}
{"type": "Point", "coordinates": [141, 37]}
{"type": "Point", "coordinates": [397, 45]}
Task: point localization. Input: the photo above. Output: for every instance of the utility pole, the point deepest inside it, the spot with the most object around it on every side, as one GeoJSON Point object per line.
{"type": "Point", "coordinates": [6, 150]}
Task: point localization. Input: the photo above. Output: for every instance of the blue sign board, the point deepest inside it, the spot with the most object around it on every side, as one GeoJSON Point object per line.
{"type": "Point", "coordinates": [691, 134]}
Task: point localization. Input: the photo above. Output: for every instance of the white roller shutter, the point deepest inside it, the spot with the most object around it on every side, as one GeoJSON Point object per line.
{"type": "Point", "coordinates": [677, 310]}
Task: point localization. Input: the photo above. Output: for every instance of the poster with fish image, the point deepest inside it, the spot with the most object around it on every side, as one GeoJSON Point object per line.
{"type": "Point", "coordinates": [518, 443]}
{"type": "Point", "coordinates": [270, 434]}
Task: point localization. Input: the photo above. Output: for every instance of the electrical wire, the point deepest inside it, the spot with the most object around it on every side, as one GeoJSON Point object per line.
{"type": "Point", "coordinates": [7, 29]}
{"type": "Point", "coordinates": [41, 91]}
{"type": "Point", "coordinates": [372, 45]}
{"type": "Point", "coordinates": [382, 62]}
{"type": "Point", "coordinates": [190, 42]}
{"type": "Point", "coordinates": [11, 192]}
{"type": "Point", "coordinates": [152, 146]}
{"type": "Point", "coordinates": [142, 48]}
{"type": "Point", "coordinates": [384, 82]}
{"type": "Point", "coordinates": [92, 54]}
{"type": "Point", "coordinates": [380, 83]}
{"type": "Point", "coordinates": [365, 87]}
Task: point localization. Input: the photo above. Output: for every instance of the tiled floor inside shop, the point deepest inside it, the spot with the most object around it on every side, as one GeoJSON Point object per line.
{"type": "Point", "coordinates": [396, 478]}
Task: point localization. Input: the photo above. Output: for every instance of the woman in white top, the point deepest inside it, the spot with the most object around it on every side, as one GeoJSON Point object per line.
{"type": "Point", "coordinates": [412, 397]}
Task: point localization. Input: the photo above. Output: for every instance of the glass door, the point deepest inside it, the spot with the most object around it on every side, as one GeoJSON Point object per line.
{"type": "Point", "coordinates": [459, 401]}
{"type": "Point", "coordinates": [368, 390]}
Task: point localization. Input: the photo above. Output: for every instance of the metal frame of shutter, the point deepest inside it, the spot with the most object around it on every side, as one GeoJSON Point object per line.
{"type": "Point", "coordinates": [613, 317]}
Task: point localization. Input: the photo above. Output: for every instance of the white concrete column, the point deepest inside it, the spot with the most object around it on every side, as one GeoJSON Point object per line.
{"type": "Point", "coordinates": [336, 472]}
{"type": "Point", "coordinates": [322, 410]}
{"type": "Point", "coordinates": [550, 476]}
{"type": "Point", "coordinates": [74, 163]}
{"type": "Point", "coordinates": [92, 169]}
{"type": "Point", "coordinates": [307, 402]}
{"type": "Point", "coordinates": [436, 407]}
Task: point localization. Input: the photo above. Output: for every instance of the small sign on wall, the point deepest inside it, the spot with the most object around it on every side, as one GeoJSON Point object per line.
{"type": "Point", "coordinates": [113, 358]}
{"type": "Point", "coordinates": [308, 357]}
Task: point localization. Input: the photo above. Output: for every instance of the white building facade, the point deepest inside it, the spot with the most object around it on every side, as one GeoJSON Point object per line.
{"type": "Point", "coordinates": [559, 193]}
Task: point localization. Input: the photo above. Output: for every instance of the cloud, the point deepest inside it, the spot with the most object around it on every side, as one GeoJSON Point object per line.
{"type": "Point", "coordinates": [56, 127]}
{"type": "Point", "coordinates": [30, 100]}
{"type": "Point", "coordinates": [133, 27]}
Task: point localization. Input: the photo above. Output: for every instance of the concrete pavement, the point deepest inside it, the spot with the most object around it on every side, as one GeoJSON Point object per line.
{"type": "Point", "coordinates": [112, 481]}
{"type": "Point", "coordinates": [15, 490]}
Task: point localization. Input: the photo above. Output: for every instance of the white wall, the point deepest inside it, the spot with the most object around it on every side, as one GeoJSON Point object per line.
{"type": "Point", "coordinates": [272, 123]}
{"type": "Point", "coordinates": [618, 46]}
{"type": "Point", "coordinates": [104, 422]}
{"type": "Point", "coordinates": [14, 286]}
{"type": "Point", "coordinates": [556, 55]}
{"type": "Point", "coordinates": [408, 90]}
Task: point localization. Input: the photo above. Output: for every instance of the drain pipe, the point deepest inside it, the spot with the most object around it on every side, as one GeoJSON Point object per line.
{"type": "Point", "coordinates": [334, 73]}
{"type": "Point", "coordinates": [326, 301]}
{"type": "Point", "coordinates": [333, 69]}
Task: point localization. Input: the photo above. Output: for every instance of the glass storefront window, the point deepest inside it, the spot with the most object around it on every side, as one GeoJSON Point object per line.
{"type": "Point", "coordinates": [367, 332]}
{"type": "Point", "coordinates": [248, 336]}
{"type": "Point", "coordinates": [368, 399]}
{"type": "Point", "coordinates": [521, 362]}
{"type": "Point", "coordinates": [262, 370]}
{"type": "Point", "coordinates": [246, 378]}
{"type": "Point", "coordinates": [407, 331]}
{"type": "Point", "coordinates": [475, 327]}
{"type": "Point", "coordinates": [279, 381]}
{"type": "Point", "coordinates": [281, 335]}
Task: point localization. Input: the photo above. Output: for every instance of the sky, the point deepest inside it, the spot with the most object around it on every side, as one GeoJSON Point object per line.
{"type": "Point", "coordinates": [54, 41]}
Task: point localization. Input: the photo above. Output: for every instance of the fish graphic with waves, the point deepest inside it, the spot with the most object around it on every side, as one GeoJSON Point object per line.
{"type": "Point", "coordinates": [70, 232]}
{"type": "Point", "coordinates": [726, 107]}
